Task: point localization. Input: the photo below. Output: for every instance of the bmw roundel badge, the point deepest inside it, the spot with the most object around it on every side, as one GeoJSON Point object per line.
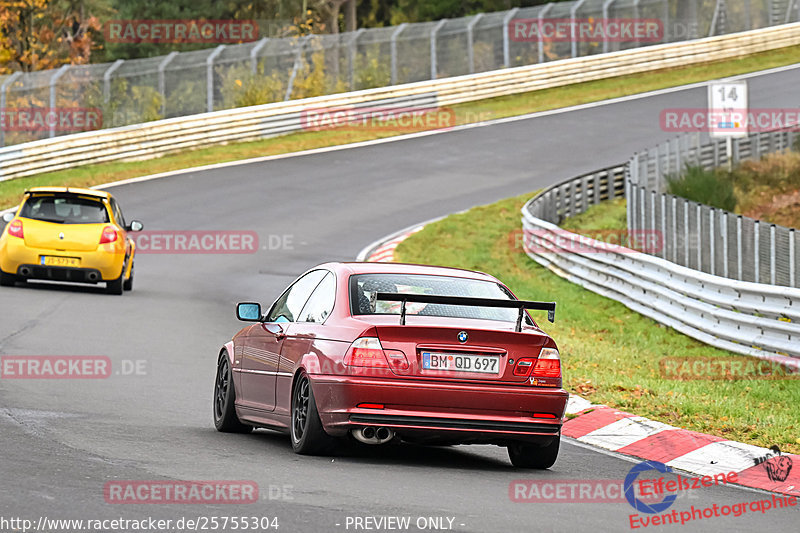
{"type": "Point", "coordinates": [462, 336]}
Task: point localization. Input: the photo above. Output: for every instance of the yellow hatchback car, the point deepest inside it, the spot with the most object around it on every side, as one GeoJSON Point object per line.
{"type": "Point", "coordinates": [67, 234]}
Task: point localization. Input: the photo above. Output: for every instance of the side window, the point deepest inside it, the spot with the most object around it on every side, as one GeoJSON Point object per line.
{"type": "Point", "coordinates": [117, 213]}
{"type": "Point", "coordinates": [320, 304]}
{"type": "Point", "coordinates": [288, 306]}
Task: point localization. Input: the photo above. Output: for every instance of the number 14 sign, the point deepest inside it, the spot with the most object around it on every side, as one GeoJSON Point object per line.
{"type": "Point", "coordinates": [727, 109]}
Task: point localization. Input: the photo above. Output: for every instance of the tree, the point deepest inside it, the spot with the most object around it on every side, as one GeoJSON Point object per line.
{"type": "Point", "coordinates": [44, 34]}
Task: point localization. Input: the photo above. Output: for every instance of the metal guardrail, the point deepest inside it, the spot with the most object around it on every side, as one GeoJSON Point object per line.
{"type": "Point", "coordinates": [185, 83]}
{"type": "Point", "coordinates": [743, 317]}
{"type": "Point", "coordinates": [711, 240]}
{"type": "Point", "coordinates": [154, 139]}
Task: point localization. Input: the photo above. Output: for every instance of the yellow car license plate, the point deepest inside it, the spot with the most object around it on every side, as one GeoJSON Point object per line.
{"type": "Point", "coordinates": [54, 261]}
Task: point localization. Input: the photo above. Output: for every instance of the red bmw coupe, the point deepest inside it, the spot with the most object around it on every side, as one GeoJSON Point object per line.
{"type": "Point", "coordinates": [377, 352]}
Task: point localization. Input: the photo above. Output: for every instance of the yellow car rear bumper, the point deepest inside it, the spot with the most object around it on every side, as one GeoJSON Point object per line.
{"type": "Point", "coordinates": [106, 262]}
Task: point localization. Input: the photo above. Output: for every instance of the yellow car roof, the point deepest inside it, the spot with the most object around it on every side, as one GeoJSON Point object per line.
{"type": "Point", "coordinates": [73, 190]}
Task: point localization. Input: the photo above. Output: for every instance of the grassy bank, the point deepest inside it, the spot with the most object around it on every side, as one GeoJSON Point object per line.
{"type": "Point", "coordinates": [611, 354]}
{"type": "Point", "coordinates": [10, 191]}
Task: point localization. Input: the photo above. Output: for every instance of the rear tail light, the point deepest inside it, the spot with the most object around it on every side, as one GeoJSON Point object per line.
{"type": "Point", "coordinates": [548, 365]}
{"type": "Point", "coordinates": [15, 229]}
{"type": "Point", "coordinates": [366, 351]}
{"type": "Point", "coordinates": [523, 366]}
{"type": "Point", "coordinates": [109, 235]}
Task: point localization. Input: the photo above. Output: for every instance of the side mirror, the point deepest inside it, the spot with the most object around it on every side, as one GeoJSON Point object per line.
{"type": "Point", "coordinates": [135, 225]}
{"type": "Point", "coordinates": [8, 217]}
{"type": "Point", "coordinates": [248, 312]}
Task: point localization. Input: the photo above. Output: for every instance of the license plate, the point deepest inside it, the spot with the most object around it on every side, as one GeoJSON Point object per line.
{"type": "Point", "coordinates": [54, 261]}
{"type": "Point", "coordinates": [483, 364]}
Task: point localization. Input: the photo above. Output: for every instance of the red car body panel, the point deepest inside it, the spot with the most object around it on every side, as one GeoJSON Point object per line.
{"type": "Point", "coordinates": [426, 406]}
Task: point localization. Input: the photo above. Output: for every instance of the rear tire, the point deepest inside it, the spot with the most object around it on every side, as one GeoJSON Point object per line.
{"type": "Point", "coordinates": [128, 285]}
{"type": "Point", "coordinates": [307, 434]}
{"type": "Point", "coordinates": [524, 455]}
{"type": "Point", "coordinates": [7, 280]}
{"type": "Point", "coordinates": [114, 286]}
{"type": "Point", "coordinates": [225, 419]}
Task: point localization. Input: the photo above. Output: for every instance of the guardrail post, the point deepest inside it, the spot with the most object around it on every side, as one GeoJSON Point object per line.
{"type": "Point", "coordinates": [572, 12]}
{"type": "Point", "coordinates": [254, 54]}
{"type": "Point", "coordinates": [506, 36]}
{"type": "Point", "coordinates": [471, 41]}
{"type": "Point", "coordinates": [663, 229]}
{"type": "Point", "coordinates": [53, 88]}
{"type": "Point", "coordinates": [107, 79]}
{"type": "Point", "coordinates": [674, 229]}
{"type": "Point", "coordinates": [161, 82]}
{"type": "Point", "coordinates": [434, 65]}
{"type": "Point", "coordinates": [210, 77]}
{"type": "Point", "coordinates": [540, 37]}
{"type": "Point", "coordinates": [606, 6]}
{"type": "Point", "coordinates": [3, 88]}
{"type": "Point", "coordinates": [393, 50]}
{"type": "Point", "coordinates": [353, 50]}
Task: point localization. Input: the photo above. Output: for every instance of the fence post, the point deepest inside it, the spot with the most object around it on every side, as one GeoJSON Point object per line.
{"type": "Point", "coordinates": [756, 251]}
{"type": "Point", "coordinates": [572, 12]}
{"type": "Point", "coordinates": [210, 77]}
{"type": "Point", "coordinates": [686, 233]}
{"type": "Point", "coordinates": [298, 56]}
{"type": "Point", "coordinates": [606, 6]}
{"type": "Point", "coordinates": [254, 54]}
{"type": "Point", "coordinates": [699, 210]}
{"type": "Point", "coordinates": [53, 88]}
{"type": "Point", "coordinates": [107, 79]}
{"type": "Point", "coordinates": [540, 18]}
{"type": "Point", "coordinates": [712, 241]}
{"type": "Point", "coordinates": [674, 230]}
{"type": "Point", "coordinates": [663, 229]}
{"type": "Point", "coordinates": [162, 83]}
{"type": "Point", "coordinates": [724, 231]}
{"type": "Point", "coordinates": [772, 273]}
{"type": "Point", "coordinates": [3, 88]}
{"type": "Point", "coordinates": [792, 279]}
{"type": "Point", "coordinates": [666, 20]}
{"type": "Point", "coordinates": [353, 50]}
{"type": "Point", "coordinates": [739, 247]}
{"type": "Point", "coordinates": [506, 44]}
{"type": "Point", "coordinates": [471, 42]}
{"type": "Point", "coordinates": [434, 65]}
{"type": "Point", "coordinates": [393, 49]}
{"type": "Point", "coordinates": [713, 28]}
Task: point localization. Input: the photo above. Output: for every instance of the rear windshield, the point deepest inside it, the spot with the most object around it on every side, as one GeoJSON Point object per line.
{"type": "Point", "coordinates": [65, 209]}
{"type": "Point", "coordinates": [364, 287]}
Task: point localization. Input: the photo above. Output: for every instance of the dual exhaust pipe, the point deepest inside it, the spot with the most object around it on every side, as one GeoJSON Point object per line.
{"type": "Point", "coordinates": [373, 435]}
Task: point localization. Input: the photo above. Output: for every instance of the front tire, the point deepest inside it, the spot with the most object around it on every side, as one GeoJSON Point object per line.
{"type": "Point", "coordinates": [7, 280]}
{"type": "Point", "coordinates": [524, 455]}
{"type": "Point", "coordinates": [225, 419]}
{"type": "Point", "coordinates": [307, 433]}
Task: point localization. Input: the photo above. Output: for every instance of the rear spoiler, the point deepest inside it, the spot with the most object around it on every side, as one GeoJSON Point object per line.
{"type": "Point", "coordinates": [550, 307]}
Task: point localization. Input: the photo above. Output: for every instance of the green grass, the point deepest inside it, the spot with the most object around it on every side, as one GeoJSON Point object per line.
{"type": "Point", "coordinates": [610, 354]}
{"type": "Point", "coordinates": [10, 191]}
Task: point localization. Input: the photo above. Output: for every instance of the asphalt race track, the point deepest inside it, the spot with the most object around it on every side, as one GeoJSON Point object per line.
{"type": "Point", "coordinates": [62, 440]}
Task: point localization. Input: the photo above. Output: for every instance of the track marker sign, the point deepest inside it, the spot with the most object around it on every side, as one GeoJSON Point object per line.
{"type": "Point", "coordinates": [727, 113]}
